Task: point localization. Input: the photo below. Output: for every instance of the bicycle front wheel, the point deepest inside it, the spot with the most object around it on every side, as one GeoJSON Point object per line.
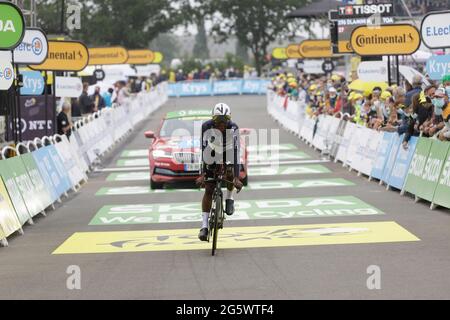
{"type": "Point", "coordinates": [218, 213]}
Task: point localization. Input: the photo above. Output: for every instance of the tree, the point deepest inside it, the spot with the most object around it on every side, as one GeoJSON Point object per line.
{"type": "Point", "coordinates": [201, 50]}
{"type": "Point", "coordinates": [132, 24]}
{"type": "Point", "coordinates": [255, 23]}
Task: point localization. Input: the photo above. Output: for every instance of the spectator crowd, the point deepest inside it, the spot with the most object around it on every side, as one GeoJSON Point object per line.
{"type": "Point", "coordinates": [421, 107]}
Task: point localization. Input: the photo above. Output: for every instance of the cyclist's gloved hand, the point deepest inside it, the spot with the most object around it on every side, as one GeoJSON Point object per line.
{"type": "Point", "coordinates": [200, 181]}
{"type": "Point", "coordinates": [238, 184]}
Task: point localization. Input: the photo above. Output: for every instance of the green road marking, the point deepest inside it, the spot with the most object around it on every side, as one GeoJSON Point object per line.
{"type": "Point", "coordinates": [136, 153]}
{"type": "Point", "coordinates": [245, 210]}
{"type": "Point", "coordinates": [287, 170]}
{"type": "Point", "coordinates": [294, 184]}
{"type": "Point", "coordinates": [271, 157]}
{"type": "Point", "coordinates": [129, 176]}
{"type": "Point", "coordinates": [271, 147]}
{"type": "Point", "coordinates": [290, 184]}
{"type": "Point", "coordinates": [133, 162]}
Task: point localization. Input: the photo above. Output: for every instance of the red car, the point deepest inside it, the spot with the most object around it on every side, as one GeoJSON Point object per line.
{"type": "Point", "coordinates": [174, 154]}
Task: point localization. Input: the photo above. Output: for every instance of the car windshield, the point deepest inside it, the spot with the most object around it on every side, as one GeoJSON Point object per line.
{"type": "Point", "coordinates": [181, 127]}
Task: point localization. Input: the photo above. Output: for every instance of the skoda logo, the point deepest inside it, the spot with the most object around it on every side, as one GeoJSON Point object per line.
{"type": "Point", "coordinates": [36, 45]}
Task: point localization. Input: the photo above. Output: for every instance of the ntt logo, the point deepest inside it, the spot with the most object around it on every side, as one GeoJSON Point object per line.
{"type": "Point", "coordinates": [362, 40]}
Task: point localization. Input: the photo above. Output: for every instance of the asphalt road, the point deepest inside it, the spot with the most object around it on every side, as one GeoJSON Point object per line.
{"type": "Point", "coordinates": [328, 257]}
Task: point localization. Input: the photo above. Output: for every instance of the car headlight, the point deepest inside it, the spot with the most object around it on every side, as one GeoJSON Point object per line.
{"type": "Point", "coordinates": [162, 154]}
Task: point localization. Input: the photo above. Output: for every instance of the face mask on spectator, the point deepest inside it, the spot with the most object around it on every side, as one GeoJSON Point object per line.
{"type": "Point", "coordinates": [439, 103]}
{"type": "Point", "coordinates": [447, 90]}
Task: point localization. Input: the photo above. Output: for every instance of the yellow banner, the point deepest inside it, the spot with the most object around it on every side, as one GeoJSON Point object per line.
{"type": "Point", "coordinates": [316, 49]}
{"type": "Point", "coordinates": [144, 56]}
{"type": "Point", "coordinates": [293, 52]}
{"type": "Point", "coordinates": [65, 56]}
{"type": "Point", "coordinates": [159, 57]}
{"type": "Point", "coordinates": [244, 237]}
{"type": "Point", "coordinates": [279, 53]}
{"type": "Point", "coordinates": [398, 39]}
{"type": "Point", "coordinates": [344, 46]}
{"type": "Point", "coordinates": [107, 56]}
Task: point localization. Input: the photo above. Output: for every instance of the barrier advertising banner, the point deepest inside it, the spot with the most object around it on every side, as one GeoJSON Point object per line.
{"type": "Point", "coordinates": [42, 187]}
{"type": "Point", "coordinates": [382, 154]}
{"type": "Point", "coordinates": [433, 168]}
{"type": "Point", "coordinates": [442, 194]}
{"type": "Point", "coordinates": [414, 179]}
{"type": "Point", "coordinates": [8, 176]}
{"type": "Point", "coordinates": [65, 183]}
{"type": "Point", "coordinates": [8, 219]}
{"type": "Point", "coordinates": [402, 163]}
{"type": "Point", "coordinates": [345, 142]}
{"type": "Point", "coordinates": [227, 87]}
{"type": "Point", "coordinates": [396, 144]}
{"type": "Point", "coordinates": [32, 196]}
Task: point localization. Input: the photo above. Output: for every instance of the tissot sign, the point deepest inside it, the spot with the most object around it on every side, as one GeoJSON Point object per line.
{"type": "Point", "coordinates": [385, 9]}
{"type": "Point", "coordinates": [435, 30]}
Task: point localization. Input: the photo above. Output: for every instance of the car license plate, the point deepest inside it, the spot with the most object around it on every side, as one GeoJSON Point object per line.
{"type": "Point", "coordinates": [192, 167]}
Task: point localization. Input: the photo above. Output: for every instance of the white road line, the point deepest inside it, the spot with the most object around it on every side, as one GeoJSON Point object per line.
{"type": "Point", "coordinates": [257, 164]}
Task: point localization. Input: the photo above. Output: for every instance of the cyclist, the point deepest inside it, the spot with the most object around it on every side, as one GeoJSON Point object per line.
{"type": "Point", "coordinates": [220, 145]}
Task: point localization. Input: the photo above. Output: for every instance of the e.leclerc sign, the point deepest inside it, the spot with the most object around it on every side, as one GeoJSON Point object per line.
{"type": "Point", "coordinates": [12, 26]}
{"type": "Point", "coordinates": [6, 75]}
{"type": "Point", "coordinates": [435, 30]}
{"type": "Point", "coordinates": [33, 49]}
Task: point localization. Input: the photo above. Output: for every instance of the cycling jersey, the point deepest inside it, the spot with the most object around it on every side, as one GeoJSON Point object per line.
{"type": "Point", "coordinates": [220, 149]}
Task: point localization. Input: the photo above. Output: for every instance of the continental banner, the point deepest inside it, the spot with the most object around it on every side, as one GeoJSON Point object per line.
{"type": "Point", "coordinates": [293, 52]}
{"type": "Point", "coordinates": [107, 56]}
{"type": "Point", "coordinates": [442, 194]}
{"type": "Point", "coordinates": [65, 56]}
{"type": "Point", "coordinates": [18, 202]}
{"type": "Point", "coordinates": [395, 39]}
{"type": "Point", "coordinates": [8, 218]}
{"type": "Point", "coordinates": [279, 53]}
{"type": "Point", "coordinates": [316, 49]}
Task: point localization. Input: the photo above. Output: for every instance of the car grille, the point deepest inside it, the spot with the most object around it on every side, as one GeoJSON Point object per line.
{"type": "Point", "coordinates": [186, 157]}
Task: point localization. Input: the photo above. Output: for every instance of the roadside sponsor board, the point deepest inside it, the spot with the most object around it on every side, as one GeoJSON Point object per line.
{"type": "Point", "coordinates": [12, 26]}
{"type": "Point", "coordinates": [390, 162]}
{"type": "Point", "coordinates": [37, 117]}
{"type": "Point", "coordinates": [8, 176]}
{"type": "Point", "coordinates": [316, 49]}
{"type": "Point", "coordinates": [33, 49]}
{"type": "Point", "coordinates": [68, 87]}
{"type": "Point", "coordinates": [395, 39]}
{"type": "Point", "coordinates": [435, 30]}
{"type": "Point", "coordinates": [313, 66]}
{"type": "Point", "coordinates": [7, 75]}
{"type": "Point", "coordinates": [279, 53]}
{"type": "Point", "coordinates": [33, 83]}
{"type": "Point", "coordinates": [414, 180]}
{"type": "Point", "coordinates": [8, 218]}
{"type": "Point", "coordinates": [107, 56]}
{"type": "Point", "coordinates": [293, 51]}
{"type": "Point", "coordinates": [144, 56]}
{"type": "Point", "coordinates": [243, 237]}
{"type": "Point", "coordinates": [382, 155]}
{"type": "Point", "coordinates": [373, 71]}
{"type": "Point", "coordinates": [442, 194]}
{"type": "Point", "coordinates": [227, 87]}
{"type": "Point", "coordinates": [64, 56]}
{"type": "Point", "coordinates": [438, 66]}
{"type": "Point", "coordinates": [402, 162]}
{"type": "Point", "coordinates": [320, 207]}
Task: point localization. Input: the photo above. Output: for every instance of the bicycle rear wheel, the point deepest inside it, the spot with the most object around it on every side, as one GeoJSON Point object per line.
{"type": "Point", "coordinates": [218, 202]}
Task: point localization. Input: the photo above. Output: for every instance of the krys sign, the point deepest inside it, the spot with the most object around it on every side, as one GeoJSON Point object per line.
{"type": "Point", "coordinates": [12, 26]}
{"type": "Point", "coordinates": [438, 66]}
